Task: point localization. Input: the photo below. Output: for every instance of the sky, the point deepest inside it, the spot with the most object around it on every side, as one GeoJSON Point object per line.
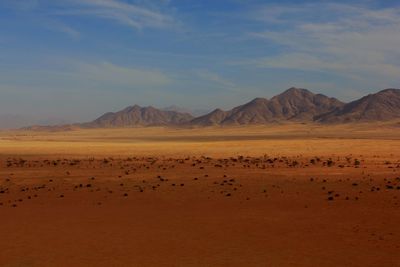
{"type": "Point", "coordinates": [76, 59]}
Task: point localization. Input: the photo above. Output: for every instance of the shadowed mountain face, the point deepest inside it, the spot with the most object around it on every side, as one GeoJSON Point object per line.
{"type": "Point", "coordinates": [292, 105]}
{"type": "Point", "coordinates": [213, 118]}
{"type": "Point", "coordinates": [382, 106]}
{"type": "Point", "coordinates": [139, 116]}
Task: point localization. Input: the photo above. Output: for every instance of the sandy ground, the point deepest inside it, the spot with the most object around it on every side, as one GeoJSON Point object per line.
{"type": "Point", "coordinates": [291, 195]}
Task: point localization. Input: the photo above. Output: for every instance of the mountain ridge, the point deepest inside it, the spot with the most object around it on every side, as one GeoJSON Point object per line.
{"type": "Point", "coordinates": [296, 105]}
{"type": "Point", "coordinates": [139, 116]}
{"type": "Point", "coordinates": [381, 106]}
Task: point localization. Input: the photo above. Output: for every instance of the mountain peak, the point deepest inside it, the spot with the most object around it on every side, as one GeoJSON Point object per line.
{"type": "Point", "coordinates": [130, 108]}
{"type": "Point", "coordinates": [140, 116]}
{"type": "Point", "coordinates": [296, 91]}
{"type": "Point", "coordinates": [258, 100]}
{"type": "Point", "coordinates": [295, 104]}
{"type": "Point", "coordinates": [217, 110]}
{"type": "Point", "coordinates": [381, 106]}
{"type": "Point", "coordinates": [390, 91]}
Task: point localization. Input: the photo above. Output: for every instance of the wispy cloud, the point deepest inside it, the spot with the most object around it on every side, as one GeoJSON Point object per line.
{"type": "Point", "coordinates": [129, 14]}
{"type": "Point", "coordinates": [73, 74]}
{"type": "Point", "coordinates": [63, 28]}
{"type": "Point", "coordinates": [354, 40]}
{"type": "Point", "coordinates": [216, 79]}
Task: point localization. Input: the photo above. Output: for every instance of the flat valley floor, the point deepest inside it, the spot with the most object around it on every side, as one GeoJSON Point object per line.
{"type": "Point", "coordinates": [288, 195]}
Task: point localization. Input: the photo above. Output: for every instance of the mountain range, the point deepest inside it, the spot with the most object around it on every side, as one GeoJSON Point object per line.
{"type": "Point", "coordinates": [293, 105]}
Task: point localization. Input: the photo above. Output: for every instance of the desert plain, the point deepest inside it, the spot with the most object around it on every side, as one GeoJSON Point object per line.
{"type": "Point", "coordinates": [272, 195]}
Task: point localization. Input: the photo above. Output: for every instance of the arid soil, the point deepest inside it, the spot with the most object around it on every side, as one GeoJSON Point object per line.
{"type": "Point", "coordinates": [291, 195]}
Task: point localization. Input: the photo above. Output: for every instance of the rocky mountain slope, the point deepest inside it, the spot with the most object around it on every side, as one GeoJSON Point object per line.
{"type": "Point", "coordinates": [382, 106]}
{"type": "Point", "coordinates": [139, 116]}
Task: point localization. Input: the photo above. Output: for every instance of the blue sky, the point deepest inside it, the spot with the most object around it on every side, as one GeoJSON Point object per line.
{"type": "Point", "coordinates": [75, 59]}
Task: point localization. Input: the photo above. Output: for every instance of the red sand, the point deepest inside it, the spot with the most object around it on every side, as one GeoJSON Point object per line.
{"type": "Point", "coordinates": [277, 215]}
